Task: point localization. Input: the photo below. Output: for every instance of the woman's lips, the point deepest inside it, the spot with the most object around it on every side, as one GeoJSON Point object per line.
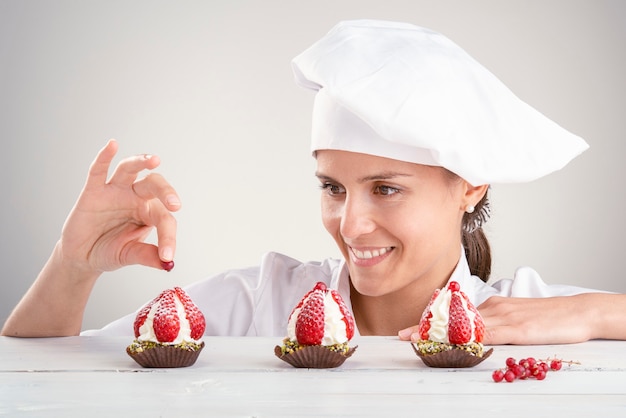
{"type": "Point", "coordinates": [369, 256]}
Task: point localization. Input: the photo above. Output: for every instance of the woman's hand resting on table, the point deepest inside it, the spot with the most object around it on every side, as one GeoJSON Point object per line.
{"type": "Point", "coordinates": [105, 230]}
{"type": "Point", "coordinates": [551, 320]}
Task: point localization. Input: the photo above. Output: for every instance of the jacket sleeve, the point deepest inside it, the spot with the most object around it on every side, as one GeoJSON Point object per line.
{"type": "Point", "coordinates": [528, 283]}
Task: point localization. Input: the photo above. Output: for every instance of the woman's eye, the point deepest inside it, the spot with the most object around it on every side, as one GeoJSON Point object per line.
{"type": "Point", "coordinates": [386, 190]}
{"type": "Point", "coordinates": [332, 189]}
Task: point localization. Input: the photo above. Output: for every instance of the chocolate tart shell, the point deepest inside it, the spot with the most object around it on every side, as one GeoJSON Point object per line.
{"type": "Point", "coordinates": [314, 357]}
{"type": "Point", "coordinates": [165, 356]}
{"type": "Point", "coordinates": [454, 358]}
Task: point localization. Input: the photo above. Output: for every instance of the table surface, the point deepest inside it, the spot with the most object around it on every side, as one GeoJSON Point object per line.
{"type": "Point", "coordinates": [240, 376]}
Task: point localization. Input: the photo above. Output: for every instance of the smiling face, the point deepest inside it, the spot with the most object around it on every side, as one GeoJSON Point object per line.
{"type": "Point", "coordinates": [396, 223]}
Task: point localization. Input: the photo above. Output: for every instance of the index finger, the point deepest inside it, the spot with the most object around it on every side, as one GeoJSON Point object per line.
{"type": "Point", "coordinates": [99, 168]}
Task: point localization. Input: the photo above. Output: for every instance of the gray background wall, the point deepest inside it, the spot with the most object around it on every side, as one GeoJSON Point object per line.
{"type": "Point", "coordinates": [207, 86]}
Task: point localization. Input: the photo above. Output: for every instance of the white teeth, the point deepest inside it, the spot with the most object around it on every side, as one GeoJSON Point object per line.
{"type": "Point", "coordinates": [369, 253]}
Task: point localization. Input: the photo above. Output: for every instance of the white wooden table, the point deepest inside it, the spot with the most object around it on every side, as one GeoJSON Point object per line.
{"type": "Point", "coordinates": [93, 376]}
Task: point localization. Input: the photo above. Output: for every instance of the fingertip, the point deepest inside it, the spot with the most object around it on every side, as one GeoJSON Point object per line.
{"type": "Point", "coordinates": [173, 202]}
{"type": "Point", "coordinates": [111, 146]}
{"type": "Point", "coordinates": [153, 160]}
{"type": "Point", "coordinates": [405, 334]}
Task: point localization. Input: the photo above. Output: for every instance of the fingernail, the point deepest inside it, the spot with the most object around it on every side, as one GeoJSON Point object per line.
{"type": "Point", "coordinates": [167, 254]}
{"type": "Point", "coordinates": [172, 200]}
{"type": "Point", "coordinates": [147, 156]}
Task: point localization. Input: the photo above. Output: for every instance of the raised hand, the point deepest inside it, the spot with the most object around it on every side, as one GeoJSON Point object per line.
{"type": "Point", "coordinates": [112, 217]}
{"type": "Point", "coordinates": [104, 231]}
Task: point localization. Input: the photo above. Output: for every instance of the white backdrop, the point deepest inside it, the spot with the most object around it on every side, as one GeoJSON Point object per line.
{"type": "Point", "coordinates": [207, 86]}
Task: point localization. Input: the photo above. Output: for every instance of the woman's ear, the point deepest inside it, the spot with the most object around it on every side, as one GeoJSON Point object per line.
{"type": "Point", "coordinates": [473, 194]}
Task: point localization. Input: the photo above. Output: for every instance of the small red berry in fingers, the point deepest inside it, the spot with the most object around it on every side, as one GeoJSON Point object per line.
{"type": "Point", "coordinates": [167, 265]}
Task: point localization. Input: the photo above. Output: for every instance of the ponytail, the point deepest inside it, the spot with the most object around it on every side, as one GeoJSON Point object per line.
{"type": "Point", "coordinates": [474, 240]}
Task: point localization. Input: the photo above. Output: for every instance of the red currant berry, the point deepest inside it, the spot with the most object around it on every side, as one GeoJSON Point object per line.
{"type": "Point", "coordinates": [167, 265]}
{"type": "Point", "coordinates": [540, 375]}
{"type": "Point", "coordinates": [509, 376]}
{"type": "Point", "coordinates": [497, 375]}
{"type": "Point", "coordinates": [454, 286]}
{"type": "Point", "coordinates": [510, 362]}
{"type": "Point", "coordinates": [556, 364]}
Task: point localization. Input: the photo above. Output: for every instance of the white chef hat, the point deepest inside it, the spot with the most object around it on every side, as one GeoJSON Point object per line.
{"type": "Point", "coordinates": [404, 92]}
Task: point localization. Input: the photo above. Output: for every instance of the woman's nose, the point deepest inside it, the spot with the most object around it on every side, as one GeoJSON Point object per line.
{"type": "Point", "coordinates": [357, 218]}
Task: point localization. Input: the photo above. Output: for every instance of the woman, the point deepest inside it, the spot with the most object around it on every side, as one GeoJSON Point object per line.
{"type": "Point", "coordinates": [408, 133]}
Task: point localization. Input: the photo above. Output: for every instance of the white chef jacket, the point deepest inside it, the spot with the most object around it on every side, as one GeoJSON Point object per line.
{"type": "Point", "coordinates": [257, 301]}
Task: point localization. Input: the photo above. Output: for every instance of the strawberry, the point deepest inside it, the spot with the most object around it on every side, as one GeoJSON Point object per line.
{"type": "Point", "coordinates": [479, 324]}
{"type": "Point", "coordinates": [166, 323]}
{"type": "Point", "coordinates": [347, 316]}
{"type": "Point", "coordinates": [424, 324]}
{"type": "Point", "coordinates": [310, 322]}
{"type": "Point", "coordinates": [299, 305]}
{"type": "Point", "coordinates": [197, 323]}
{"type": "Point", "coordinates": [459, 326]}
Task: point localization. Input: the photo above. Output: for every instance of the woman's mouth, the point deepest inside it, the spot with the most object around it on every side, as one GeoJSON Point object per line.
{"type": "Point", "coordinates": [369, 256]}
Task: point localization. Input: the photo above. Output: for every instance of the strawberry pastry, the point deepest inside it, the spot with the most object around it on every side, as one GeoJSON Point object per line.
{"type": "Point", "coordinates": [168, 331]}
{"type": "Point", "coordinates": [319, 330]}
{"type": "Point", "coordinates": [451, 330]}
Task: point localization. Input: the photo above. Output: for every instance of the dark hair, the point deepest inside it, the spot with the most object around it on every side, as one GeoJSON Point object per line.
{"type": "Point", "coordinates": [474, 240]}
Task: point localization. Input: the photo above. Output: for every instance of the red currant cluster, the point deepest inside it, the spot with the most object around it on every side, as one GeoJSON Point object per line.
{"type": "Point", "coordinates": [528, 368]}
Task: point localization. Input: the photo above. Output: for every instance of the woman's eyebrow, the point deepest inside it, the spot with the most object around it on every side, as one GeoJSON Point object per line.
{"type": "Point", "coordinates": [385, 175]}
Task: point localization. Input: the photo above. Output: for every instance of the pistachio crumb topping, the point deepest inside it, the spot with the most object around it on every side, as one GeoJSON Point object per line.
{"type": "Point", "coordinates": [290, 346]}
{"type": "Point", "coordinates": [433, 347]}
{"type": "Point", "coordinates": [139, 346]}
